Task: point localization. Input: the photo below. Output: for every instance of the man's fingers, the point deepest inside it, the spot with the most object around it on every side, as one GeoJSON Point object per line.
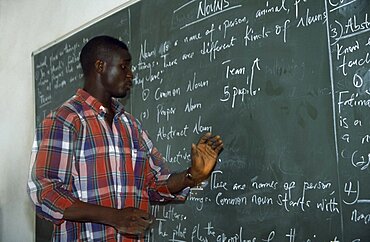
{"type": "Point", "coordinates": [144, 215]}
{"type": "Point", "coordinates": [133, 221]}
{"type": "Point", "coordinates": [204, 139]}
{"type": "Point", "coordinates": [219, 148]}
{"type": "Point", "coordinates": [215, 142]}
{"type": "Point", "coordinates": [194, 150]}
{"type": "Point", "coordinates": [138, 230]}
{"type": "Point", "coordinates": [144, 218]}
{"type": "Point", "coordinates": [139, 225]}
{"type": "Point", "coordinates": [144, 223]}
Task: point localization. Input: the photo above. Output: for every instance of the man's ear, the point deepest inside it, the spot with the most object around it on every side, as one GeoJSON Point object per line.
{"type": "Point", "coordinates": [99, 66]}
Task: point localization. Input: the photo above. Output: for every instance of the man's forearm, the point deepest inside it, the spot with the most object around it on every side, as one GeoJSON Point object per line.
{"type": "Point", "coordinates": [86, 212]}
{"type": "Point", "coordinates": [128, 220]}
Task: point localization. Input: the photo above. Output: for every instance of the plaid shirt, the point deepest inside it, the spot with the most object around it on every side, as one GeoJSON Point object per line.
{"type": "Point", "coordinates": [76, 155]}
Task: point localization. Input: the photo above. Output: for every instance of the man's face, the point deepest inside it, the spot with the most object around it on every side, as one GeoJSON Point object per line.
{"type": "Point", "coordinates": [117, 78]}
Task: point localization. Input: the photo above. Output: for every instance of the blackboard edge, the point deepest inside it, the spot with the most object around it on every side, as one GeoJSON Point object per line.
{"type": "Point", "coordinates": [84, 26]}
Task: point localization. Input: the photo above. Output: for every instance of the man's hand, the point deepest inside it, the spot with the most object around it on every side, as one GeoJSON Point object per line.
{"type": "Point", "coordinates": [204, 156]}
{"type": "Point", "coordinates": [132, 221]}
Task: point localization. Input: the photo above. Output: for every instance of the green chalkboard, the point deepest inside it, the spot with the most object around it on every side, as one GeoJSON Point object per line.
{"type": "Point", "coordinates": [286, 83]}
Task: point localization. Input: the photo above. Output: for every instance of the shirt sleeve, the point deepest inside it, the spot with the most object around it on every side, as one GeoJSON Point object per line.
{"type": "Point", "coordinates": [50, 176]}
{"type": "Point", "coordinates": [158, 176]}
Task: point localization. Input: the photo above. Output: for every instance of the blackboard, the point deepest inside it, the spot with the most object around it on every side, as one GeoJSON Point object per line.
{"type": "Point", "coordinates": [287, 85]}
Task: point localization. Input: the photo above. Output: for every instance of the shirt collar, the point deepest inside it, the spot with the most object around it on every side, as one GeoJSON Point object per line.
{"type": "Point", "coordinates": [98, 106]}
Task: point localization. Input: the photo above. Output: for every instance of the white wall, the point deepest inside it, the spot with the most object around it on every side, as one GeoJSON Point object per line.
{"type": "Point", "coordinates": [26, 26]}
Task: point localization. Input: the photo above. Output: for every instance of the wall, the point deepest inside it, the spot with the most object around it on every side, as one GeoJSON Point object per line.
{"type": "Point", "coordinates": [26, 26]}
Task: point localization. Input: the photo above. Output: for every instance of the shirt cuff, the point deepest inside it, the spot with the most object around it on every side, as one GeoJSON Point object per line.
{"type": "Point", "coordinates": [163, 194]}
{"type": "Point", "coordinates": [55, 213]}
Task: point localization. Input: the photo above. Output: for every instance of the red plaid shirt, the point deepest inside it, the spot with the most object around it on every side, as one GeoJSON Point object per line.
{"type": "Point", "coordinates": [76, 155]}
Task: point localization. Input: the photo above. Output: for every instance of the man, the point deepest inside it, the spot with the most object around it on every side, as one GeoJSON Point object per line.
{"type": "Point", "coordinates": [94, 169]}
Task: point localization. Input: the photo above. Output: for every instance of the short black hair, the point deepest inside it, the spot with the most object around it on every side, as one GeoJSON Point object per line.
{"type": "Point", "coordinates": [99, 47]}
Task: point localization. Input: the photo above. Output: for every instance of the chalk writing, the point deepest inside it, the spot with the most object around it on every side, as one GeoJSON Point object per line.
{"type": "Point", "coordinates": [287, 86]}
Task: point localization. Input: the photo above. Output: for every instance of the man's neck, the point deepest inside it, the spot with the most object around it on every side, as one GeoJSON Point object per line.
{"type": "Point", "coordinates": [103, 98]}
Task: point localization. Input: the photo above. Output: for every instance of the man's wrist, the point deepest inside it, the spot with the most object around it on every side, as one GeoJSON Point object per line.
{"type": "Point", "coordinates": [189, 178]}
{"type": "Point", "coordinates": [189, 175]}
